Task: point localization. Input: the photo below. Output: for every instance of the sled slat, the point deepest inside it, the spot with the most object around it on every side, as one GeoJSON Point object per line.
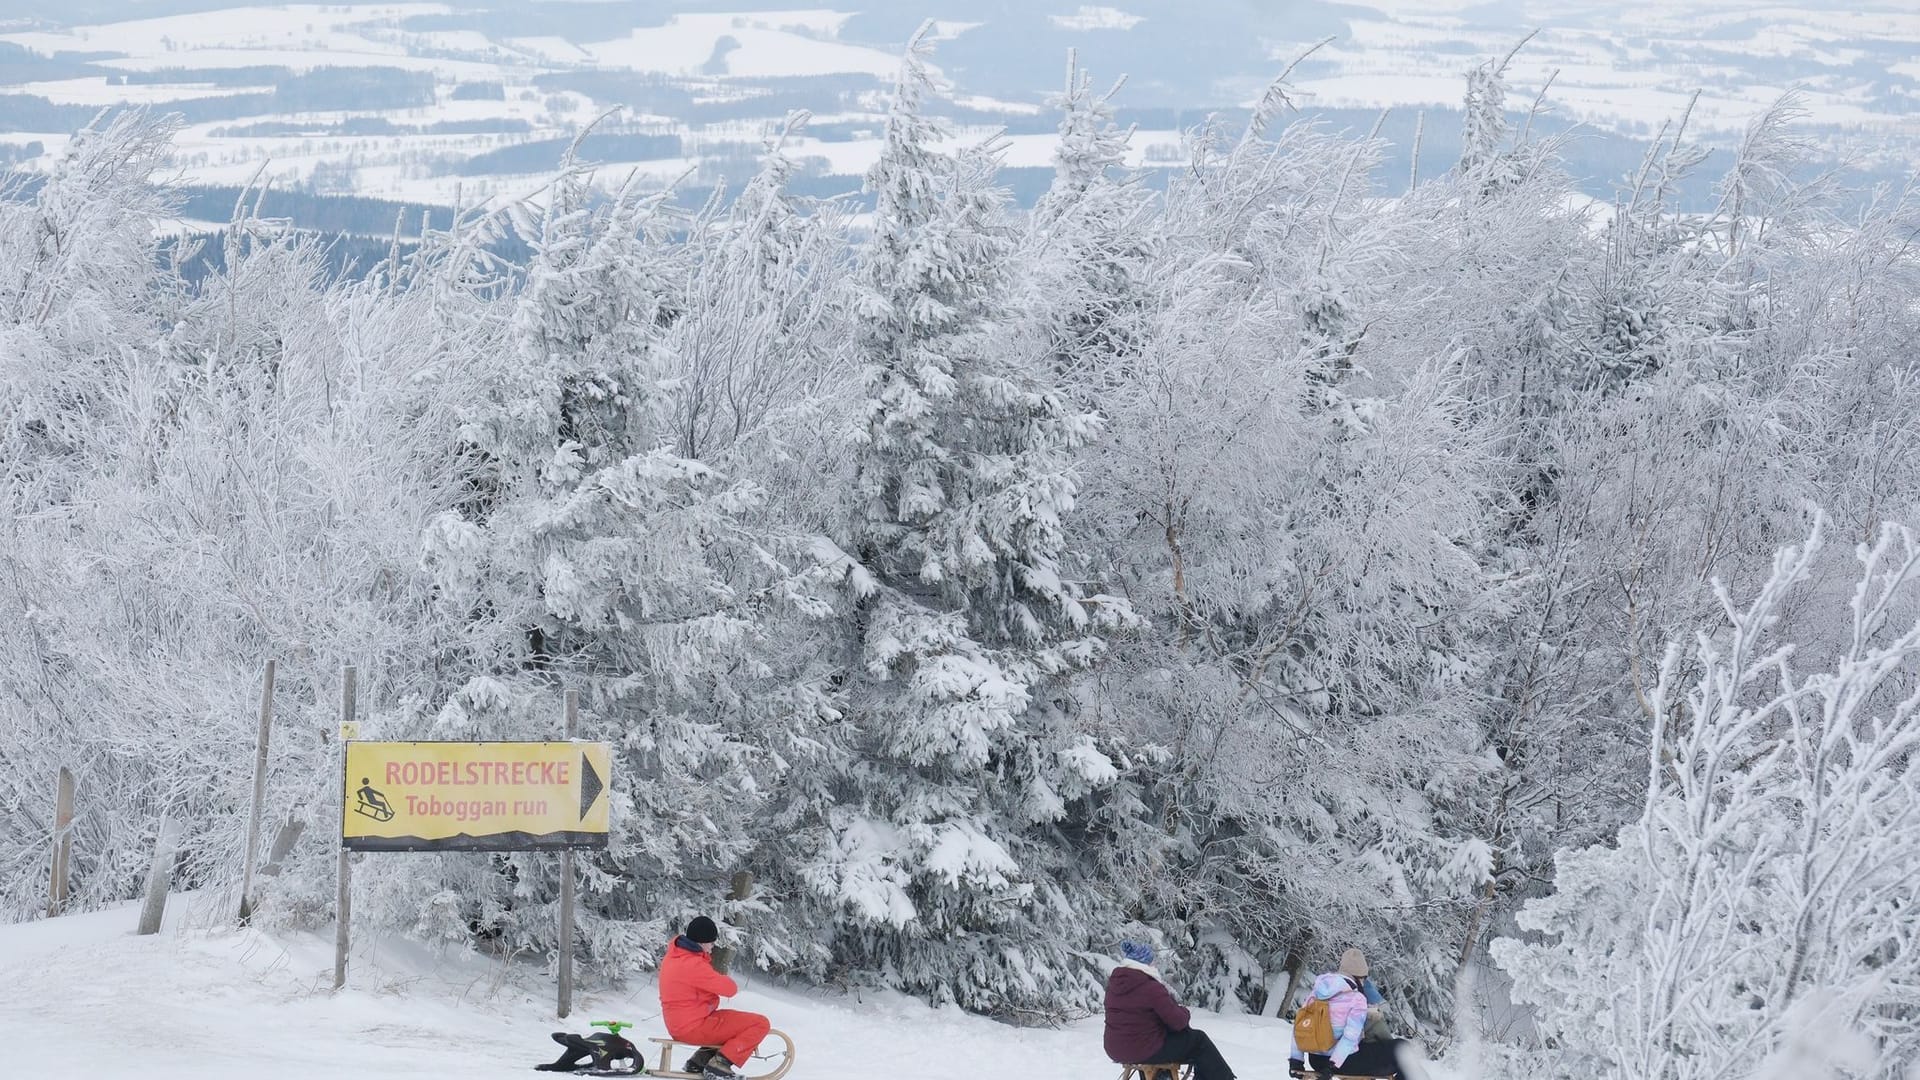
{"type": "Point", "coordinates": [1169, 1070]}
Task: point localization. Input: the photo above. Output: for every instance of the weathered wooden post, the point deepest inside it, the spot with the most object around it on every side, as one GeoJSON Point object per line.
{"type": "Point", "coordinates": [343, 904]}
{"type": "Point", "coordinates": [283, 842]}
{"type": "Point", "coordinates": [259, 795]}
{"type": "Point", "coordinates": [566, 884]}
{"type": "Point", "coordinates": [62, 841]}
{"type": "Point", "coordinates": [160, 878]}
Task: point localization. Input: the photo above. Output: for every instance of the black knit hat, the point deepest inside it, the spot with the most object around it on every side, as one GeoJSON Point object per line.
{"type": "Point", "coordinates": [701, 931]}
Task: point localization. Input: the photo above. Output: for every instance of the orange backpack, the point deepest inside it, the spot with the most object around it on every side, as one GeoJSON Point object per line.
{"type": "Point", "coordinates": [1313, 1027]}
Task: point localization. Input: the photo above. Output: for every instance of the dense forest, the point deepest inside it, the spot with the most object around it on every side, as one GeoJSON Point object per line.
{"type": "Point", "coordinates": [1518, 587]}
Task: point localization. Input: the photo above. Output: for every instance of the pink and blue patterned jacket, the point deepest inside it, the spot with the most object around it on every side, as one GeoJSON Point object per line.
{"type": "Point", "coordinates": [1348, 1009]}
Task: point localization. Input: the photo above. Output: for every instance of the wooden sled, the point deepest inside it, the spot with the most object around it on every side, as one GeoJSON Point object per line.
{"type": "Point", "coordinates": [1295, 1073]}
{"type": "Point", "coordinates": [776, 1062]}
{"type": "Point", "coordinates": [1172, 1070]}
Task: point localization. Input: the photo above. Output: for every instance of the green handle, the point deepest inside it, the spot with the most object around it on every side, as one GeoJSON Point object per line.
{"type": "Point", "coordinates": [612, 1025]}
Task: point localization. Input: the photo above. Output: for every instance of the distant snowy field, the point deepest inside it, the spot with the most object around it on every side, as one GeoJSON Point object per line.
{"type": "Point", "coordinates": [707, 49]}
{"type": "Point", "coordinates": [83, 996]}
{"type": "Point", "coordinates": [1624, 71]}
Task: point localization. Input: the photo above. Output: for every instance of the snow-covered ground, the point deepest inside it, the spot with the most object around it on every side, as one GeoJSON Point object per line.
{"type": "Point", "coordinates": [81, 995]}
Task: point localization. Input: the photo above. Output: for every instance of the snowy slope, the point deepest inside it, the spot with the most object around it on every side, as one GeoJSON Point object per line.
{"type": "Point", "coordinates": [214, 1006]}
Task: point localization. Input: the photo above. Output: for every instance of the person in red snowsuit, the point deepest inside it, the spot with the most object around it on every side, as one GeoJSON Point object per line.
{"type": "Point", "coordinates": [690, 993]}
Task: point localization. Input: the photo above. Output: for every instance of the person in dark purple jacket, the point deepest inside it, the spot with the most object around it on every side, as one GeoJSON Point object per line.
{"type": "Point", "coordinates": [1145, 1026]}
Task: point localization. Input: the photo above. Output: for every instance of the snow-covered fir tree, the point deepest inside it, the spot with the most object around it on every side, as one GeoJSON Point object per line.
{"type": "Point", "coordinates": [968, 611]}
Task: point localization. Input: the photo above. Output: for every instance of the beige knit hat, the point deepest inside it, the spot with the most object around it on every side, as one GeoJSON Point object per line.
{"type": "Point", "coordinates": [1353, 963]}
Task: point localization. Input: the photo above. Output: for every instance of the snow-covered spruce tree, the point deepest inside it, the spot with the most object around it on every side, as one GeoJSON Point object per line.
{"type": "Point", "coordinates": [1754, 920]}
{"type": "Point", "coordinates": [593, 556]}
{"type": "Point", "coordinates": [1084, 252]}
{"type": "Point", "coordinates": [1088, 306]}
{"type": "Point", "coordinates": [946, 858]}
{"type": "Point", "coordinates": [765, 390]}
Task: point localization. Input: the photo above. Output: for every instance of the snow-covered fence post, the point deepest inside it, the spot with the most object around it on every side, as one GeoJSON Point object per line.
{"type": "Point", "coordinates": [259, 795]}
{"type": "Point", "coordinates": [159, 878]}
{"type": "Point", "coordinates": [62, 841]}
{"type": "Point", "coordinates": [343, 903]}
{"type": "Point", "coordinates": [566, 885]}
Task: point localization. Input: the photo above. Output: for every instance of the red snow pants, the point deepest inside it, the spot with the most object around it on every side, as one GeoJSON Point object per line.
{"type": "Point", "coordinates": [736, 1033]}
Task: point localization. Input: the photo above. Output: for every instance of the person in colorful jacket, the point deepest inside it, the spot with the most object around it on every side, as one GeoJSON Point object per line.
{"type": "Point", "coordinates": [690, 993]}
{"type": "Point", "coordinates": [1347, 1005]}
{"type": "Point", "coordinates": [1145, 1026]}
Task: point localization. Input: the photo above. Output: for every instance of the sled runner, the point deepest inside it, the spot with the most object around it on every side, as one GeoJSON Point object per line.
{"type": "Point", "coordinates": [1297, 1072]}
{"type": "Point", "coordinates": [771, 1059]}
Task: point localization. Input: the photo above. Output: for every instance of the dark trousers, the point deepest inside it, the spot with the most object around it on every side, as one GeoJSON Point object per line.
{"type": "Point", "coordinates": [1370, 1059]}
{"type": "Point", "coordinates": [1192, 1045]}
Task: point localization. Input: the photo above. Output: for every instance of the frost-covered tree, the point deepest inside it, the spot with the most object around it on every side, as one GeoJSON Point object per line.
{"type": "Point", "coordinates": [1665, 440]}
{"type": "Point", "coordinates": [73, 305]}
{"type": "Point", "coordinates": [1753, 920]}
{"type": "Point", "coordinates": [596, 556]}
{"type": "Point", "coordinates": [1283, 541]}
{"type": "Point", "coordinates": [256, 487]}
{"type": "Point", "coordinates": [760, 334]}
{"type": "Point", "coordinates": [1404, 496]}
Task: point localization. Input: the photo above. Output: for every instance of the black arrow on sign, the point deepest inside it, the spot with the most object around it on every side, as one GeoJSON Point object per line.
{"type": "Point", "coordinates": [590, 786]}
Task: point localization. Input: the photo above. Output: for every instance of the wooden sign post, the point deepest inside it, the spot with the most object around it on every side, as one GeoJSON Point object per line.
{"type": "Point", "coordinates": [343, 904]}
{"type": "Point", "coordinates": [566, 885]}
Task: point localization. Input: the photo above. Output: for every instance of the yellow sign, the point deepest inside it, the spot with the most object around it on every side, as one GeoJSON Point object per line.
{"type": "Point", "coordinates": [475, 796]}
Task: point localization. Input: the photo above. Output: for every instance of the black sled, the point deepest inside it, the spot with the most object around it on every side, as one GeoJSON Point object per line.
{"type": "Point", "coordinates": [604, 1053]}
